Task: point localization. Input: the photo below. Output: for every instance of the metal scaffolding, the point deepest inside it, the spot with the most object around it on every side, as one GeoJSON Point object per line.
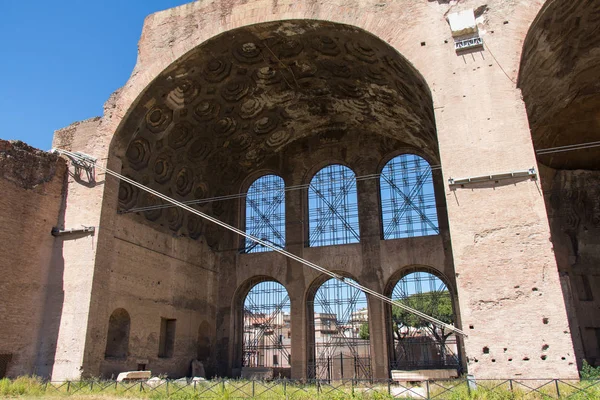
{"type": "Point", "coordinates": [418, 344]}
{"type": "Point", "coordinates": [333, 207]}
{"type": "Point", "coordinates": [407, 198]}
{"type": "Point", "coordinates": [265, 213]}
{"type": "Point", "coordinates": [267, 327]}
{"type": "Point", "coordinates": [340, 323]}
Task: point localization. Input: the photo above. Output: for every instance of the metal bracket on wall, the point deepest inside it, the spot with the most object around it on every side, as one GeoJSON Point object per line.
{"type": "Point", "coordinates": [529, 173]}
{"type": "Point", "coordinates": [59, 232]}
{"type": "Point", "coordinates": [84, 162]}
{"type": "Point", "coordinates": [470, 43]}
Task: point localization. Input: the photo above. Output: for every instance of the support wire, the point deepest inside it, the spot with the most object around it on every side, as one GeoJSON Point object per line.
{"type": "Point", "coordinates": [292, 256]}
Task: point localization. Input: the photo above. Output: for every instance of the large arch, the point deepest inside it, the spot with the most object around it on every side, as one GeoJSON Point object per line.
{"type": "Point", "coordinates": [230, 106]}
{"type": "Point", "coordinates": [560, 81]}
{"type": "Point", "coordinates": [469, 93]}
{"type": "Point", "coordinates": [262, 328]}
{"type": "Point", "coordinates": [338, 346]}
{"type": "Point", "coordinates": [280, 97]}
{"type": "Point", "coordinates": [415, 344]}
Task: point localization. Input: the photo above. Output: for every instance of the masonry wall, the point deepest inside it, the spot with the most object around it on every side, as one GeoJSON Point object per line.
{"type": "Point", "coordinates": [31, 187]}
{"type": "Point", "coordinates": [150, 274]}
{"type": "Point", "coordinates": [506, 274]}
{"type": "Point", "coordinates": [573, 203]}
{"type": "Point", "coordinates": [78, 252]}
{"type": "Point", "coordinates": [373, 262]}
{"type": "Point", "coordinates": [154, 275]}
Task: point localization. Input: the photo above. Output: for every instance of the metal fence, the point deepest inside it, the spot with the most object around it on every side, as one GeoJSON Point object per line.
{"type": "Point", "coordinates": [290, 389]}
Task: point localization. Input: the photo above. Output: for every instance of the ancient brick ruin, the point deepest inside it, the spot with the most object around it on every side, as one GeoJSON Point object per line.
{"type": "Point", "coordinates": [345, 132]}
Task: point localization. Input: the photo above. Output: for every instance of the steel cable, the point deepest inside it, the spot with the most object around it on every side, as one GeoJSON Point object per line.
{"type": "Point", "coordinates": [83, 159]}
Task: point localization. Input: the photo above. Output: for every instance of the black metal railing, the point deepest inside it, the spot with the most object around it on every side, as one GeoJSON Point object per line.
{"type": "Point", "coordinates": [455, 389]}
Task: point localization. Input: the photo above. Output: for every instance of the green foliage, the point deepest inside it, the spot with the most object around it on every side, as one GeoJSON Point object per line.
{"type": "Point", "coordinates": [363, 332]}
{"type": "Point", "coordinates": [435, 304]}
{"type": "Point", "coordinates": [32, 387]}
{"type": "Point", "coordinates": [589, 373]}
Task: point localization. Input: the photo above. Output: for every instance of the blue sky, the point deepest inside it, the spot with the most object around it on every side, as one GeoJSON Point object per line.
{"type": "Point", "coordinates": [62, 59]}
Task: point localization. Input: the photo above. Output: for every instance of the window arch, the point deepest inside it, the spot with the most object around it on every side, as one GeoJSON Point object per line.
{"type": "Point", "coordinates": [265, 213]}
{"type": "Point", "coordinates": [418, 344]}
{"type": "Point", "coordinates": [117, 340]}
{"type": "Point", "coordinates": [340, 348]}
{"type": "Point", "coordinates": [408, 206]}
{"type": "Point", "coordinates": [267, 327]}
{"type": "Point", "coordinates": [333, 207]}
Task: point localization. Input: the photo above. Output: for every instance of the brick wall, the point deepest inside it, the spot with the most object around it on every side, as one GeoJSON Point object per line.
{"type": "Point", "coordinates": [31, 187]}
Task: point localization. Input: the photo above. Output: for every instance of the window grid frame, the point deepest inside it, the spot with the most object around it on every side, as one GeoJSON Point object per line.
{"type": "Point", "coordinates": [332, 207]}
{"type": "Point", "coordinates": [265, 216]}
{"type": "Point", "coordinates": [408, 205]}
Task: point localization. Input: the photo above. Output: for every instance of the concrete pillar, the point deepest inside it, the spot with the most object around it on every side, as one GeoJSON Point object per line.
{"type": "Point", "coordinates": [83, 207]}
{"type": "Point", "coordinates": [371, 273]}
{"type": "Point", "coordinates": [299, 327]}
{"type": "Point", "coordinates": [508, 286]}
{"type": "Point", "coordinates": [295, 237]}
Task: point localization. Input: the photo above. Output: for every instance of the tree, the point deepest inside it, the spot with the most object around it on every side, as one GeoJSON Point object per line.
{"type": "Point", "coordinates": [363, 332]}
{"type": "Point", "coordinates": [435, 304]}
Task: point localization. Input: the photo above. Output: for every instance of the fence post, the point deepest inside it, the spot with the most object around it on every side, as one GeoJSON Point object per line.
{"type": "Point", "coordinates": [141, 387]}
{"type": "Point", "coordinates": [285, 387]}
{"type": "Point", "coordinates": [510, 384]}
{"type": "Point", "coordinates": [557, 389]}
{"type": "Point", "coordinates": [389, 387]}
{"type": "Point", "coordinates": [471, 383]}
{"type": "Point", "coordinates": [253, 381]}
{"type": "Point", "coordinates": [167, 388]}
{"type": "Point", "coordinates": [427, 389]}
{"type": "Point", "coordinates": [91, 386]}
{"type": "Point", "coordinates": [68, 386]}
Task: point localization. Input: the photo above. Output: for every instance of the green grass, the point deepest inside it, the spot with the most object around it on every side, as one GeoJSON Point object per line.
{"type": "Point", "coordinates": [32, 387]}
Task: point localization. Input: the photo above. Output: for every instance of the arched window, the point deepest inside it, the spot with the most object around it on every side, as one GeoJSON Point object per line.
{"type": "Point", "coordinates": [203, 345]}
{"type": "Point", "coordinates": [407, 198]}
{"type": "Point", "coordinates": [267, 327]}
{"type": "Point", "coordinates": [117, 340]}
{"type": "Point", "coordinates": [265, 213]}
{"type": "Point", "coordinates": [340, 323]}
{"type": "Point", "coordinates": [332, 207]}
{"type": "Point", "coordinates": [418, 344]}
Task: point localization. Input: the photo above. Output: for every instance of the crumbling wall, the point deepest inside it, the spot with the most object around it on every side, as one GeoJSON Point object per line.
{"type": "Point", "coordinates": [77, 135]}
{"type": "Point", "coordinates": [31, 187]}
{"type": "Point", "coordinates": [499, 232]}
{"type": "Point", "coordinates": [153, 275]}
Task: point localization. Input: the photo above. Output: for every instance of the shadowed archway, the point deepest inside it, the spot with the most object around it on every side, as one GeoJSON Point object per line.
{"type": "Point", "coordinates": [560, 81]}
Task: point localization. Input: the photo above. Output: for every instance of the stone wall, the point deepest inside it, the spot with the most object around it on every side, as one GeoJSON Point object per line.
{"type": "Point", "coordinates": [152, 276]}
{"type": "Point", "coordinates": [134, 267]}
{"type": "Point", "coordinates": [373, 262]}
{"type": "Point", "coordinates": [32, 184]}
{"type": "Point", "coordinates": [573, 203]}
{"type": "Point", "coordinates": [507, 282]}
